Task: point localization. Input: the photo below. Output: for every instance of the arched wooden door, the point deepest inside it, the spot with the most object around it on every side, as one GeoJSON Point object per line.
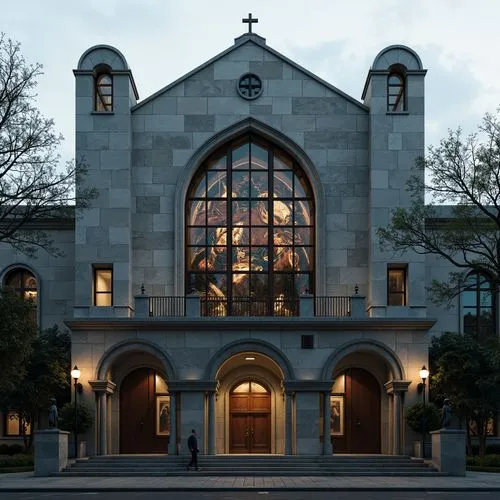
{"type": "Point", "coordinates": [137, 414]}
{"type": "Point", "coordinates": [250, 418]}
{"type": "Point", "coordinates": [361, 416]}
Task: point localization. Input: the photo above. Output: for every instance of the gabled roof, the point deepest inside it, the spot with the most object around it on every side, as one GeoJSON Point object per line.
{"type": "Point", "coordinates": [261, 42]}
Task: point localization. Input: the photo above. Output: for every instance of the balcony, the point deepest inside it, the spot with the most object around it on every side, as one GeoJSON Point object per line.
{"type": "Point", "coordinates": [194, 306]}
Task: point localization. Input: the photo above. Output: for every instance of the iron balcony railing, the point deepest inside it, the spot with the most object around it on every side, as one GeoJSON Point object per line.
{"type": "Point", "coordinates": [175, 306]}
{"type": "Point", "coordinates": [332, 306]}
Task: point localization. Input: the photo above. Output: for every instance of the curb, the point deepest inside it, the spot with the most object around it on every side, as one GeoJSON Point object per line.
{"type": "Point", "coordinates": [250, 488]}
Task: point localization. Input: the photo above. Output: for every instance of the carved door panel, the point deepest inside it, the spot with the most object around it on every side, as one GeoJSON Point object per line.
{"type": "Point", "coordinates": [250, 419]}
{"type": "Point", "coordinates": [364, 412]}
{"type": "Point", "coordinates": [260, 434]}
{"type": "Point", "coordinates": [137, 414]}
{"type": "Point", "coordinates": [239, 434]}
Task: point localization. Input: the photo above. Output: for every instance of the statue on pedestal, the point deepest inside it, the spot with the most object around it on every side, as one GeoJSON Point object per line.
{"type": "Point", "coordinates": [53, 417]}
{"type": "Point", "coordinates": [446, 414]}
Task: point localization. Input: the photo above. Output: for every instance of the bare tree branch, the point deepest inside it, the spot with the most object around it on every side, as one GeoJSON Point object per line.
{"type": "Point", "coordinates": [463, 173]}
{"type": "Point", "coordinates": [34, 185]}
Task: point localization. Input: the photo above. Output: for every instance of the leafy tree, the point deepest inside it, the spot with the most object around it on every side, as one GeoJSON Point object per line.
{"type": "Point", "coordinates": [467, 371]}
{"type": "Point", "coordinates": [463, 172]}
{"type": "Point", "coordinates": [33, 184]}
{"type": "Point", "coordinates": [67, 418]}
{"type": "Point", "coordinates": [416, 412]}
{"type": "Point", "coordinates": [47, 376]}
{"type": "Point", "coordinates": [17, 333]}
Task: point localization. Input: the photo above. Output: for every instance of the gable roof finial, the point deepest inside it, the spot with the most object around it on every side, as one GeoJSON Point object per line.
{"type": "Point", "coordinates": [249, 20]}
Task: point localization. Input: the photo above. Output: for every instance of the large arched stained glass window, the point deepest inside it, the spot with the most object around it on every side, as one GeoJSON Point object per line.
{"type": "Point", "coordinates": [250, 231]}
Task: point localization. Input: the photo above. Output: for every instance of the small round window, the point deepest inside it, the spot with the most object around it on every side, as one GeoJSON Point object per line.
{"type": "Point", "coordinates": [249, 86]}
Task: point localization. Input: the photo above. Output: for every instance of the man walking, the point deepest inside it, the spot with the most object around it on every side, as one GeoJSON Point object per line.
{"type": "Point", "coordinates": [193, 448]}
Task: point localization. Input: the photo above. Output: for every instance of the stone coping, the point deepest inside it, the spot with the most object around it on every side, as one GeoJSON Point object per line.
{"type": "Point", "coordinates": [228, 323]}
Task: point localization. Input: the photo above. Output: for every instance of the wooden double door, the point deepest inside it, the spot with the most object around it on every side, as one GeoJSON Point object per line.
{"type": "Point", "coordinates": [138, 414]}
{"type": "Point", "coordinates": [250, 418]}
{"type": "Point", "coordinates": [361, 414]}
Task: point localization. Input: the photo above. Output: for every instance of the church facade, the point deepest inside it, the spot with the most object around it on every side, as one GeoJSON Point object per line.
{"type": "Point", "coordinates": [228, 278]}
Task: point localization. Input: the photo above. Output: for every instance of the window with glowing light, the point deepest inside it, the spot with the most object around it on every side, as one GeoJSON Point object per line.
{"type": "Point", "coordinates": [250, 231]}
{"type": "Point", "coordinates": [24, 284]}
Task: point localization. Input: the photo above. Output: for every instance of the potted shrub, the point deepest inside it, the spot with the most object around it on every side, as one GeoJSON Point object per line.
{"type": "Point", "coordinates": [67, 422]}
{"type": "Point", "coordinates": [414, 415]}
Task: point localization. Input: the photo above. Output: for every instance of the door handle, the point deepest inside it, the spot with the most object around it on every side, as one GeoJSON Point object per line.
{"type": "Point", "coordinates": [247, 431]}
{"type": "Point", "coordinates": [141, 423]}
{"type": "Point", "coordinates": [358, 423]}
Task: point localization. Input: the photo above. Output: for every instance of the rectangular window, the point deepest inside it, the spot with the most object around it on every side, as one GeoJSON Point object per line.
{"type": "Point", "coordinates": [13, 425]}
{"type": "Point", "coordinates": [397, 286]}
{"type": "Point", "coordinates": [103, 287]}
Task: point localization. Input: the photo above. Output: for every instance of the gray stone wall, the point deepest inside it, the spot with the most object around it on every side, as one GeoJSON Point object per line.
{"type": "Point", "coordinates": [55, 276]}
{"type": "Point", "coordinates": [396, 140]}
{"type": "Point", "coordinates": [169, 128]}
{"type": "Point", "coordinates": [103, 141]}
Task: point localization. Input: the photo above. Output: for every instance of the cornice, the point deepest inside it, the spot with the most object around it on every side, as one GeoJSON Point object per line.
{"type": "Point", "coordinates": [229, 323]}
{"type": "Point", "coordinates": [397, 386]}
{"type": "Point", "coordinates": [192, 385]}
{"type": "Point", "coordinates": [103, 386]}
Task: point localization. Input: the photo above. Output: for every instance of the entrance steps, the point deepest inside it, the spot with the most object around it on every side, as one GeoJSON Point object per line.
{"type": "Point", "coordinates": [250, 465]}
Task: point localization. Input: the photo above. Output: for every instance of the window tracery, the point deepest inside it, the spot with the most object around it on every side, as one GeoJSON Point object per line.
{"type": "Point", "coordinates": [396, 84]}
{"type": "Point", "coordinates": [104, 92]}
{"type": "Point", "coordinates": [250, 231]}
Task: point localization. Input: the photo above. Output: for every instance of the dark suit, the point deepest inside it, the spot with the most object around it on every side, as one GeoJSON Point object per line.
{"type": "Point", "coordinates": [193, 448]}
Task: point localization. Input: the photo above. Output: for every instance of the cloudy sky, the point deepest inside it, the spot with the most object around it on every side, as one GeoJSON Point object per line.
{"type": "Point", "coordinates": [457, 40]}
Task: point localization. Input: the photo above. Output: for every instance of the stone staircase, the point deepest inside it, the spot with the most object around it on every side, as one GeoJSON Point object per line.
{"type": "Point", "coordinates": [250, 465]}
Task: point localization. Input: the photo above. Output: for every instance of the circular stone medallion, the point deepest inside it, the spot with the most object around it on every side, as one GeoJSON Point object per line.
{"type": "Point", "coordinates": [249, 86]}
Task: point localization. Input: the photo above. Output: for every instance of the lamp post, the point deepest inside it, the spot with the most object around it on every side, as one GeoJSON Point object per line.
{"type": "Point", "coordinates": [75, 373]}
{"type": "Point", "coordinates": [424, 374]}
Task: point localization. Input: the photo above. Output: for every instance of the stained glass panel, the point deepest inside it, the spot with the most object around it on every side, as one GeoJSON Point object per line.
{"type": "Point", "coordinates": [269, 214]}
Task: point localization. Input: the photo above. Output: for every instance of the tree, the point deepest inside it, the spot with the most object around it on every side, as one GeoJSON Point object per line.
{"type": "Point", "coordinates": [34, 186]}
{"type": "Point", "coordinates": [67, 418]}
{"type": "Point", "coordinates": [467, 371]}
{"type": "Point", "coordinates": [463, 172]}
{"type": "Point", "coordinates": [47, 376]}
{"type": "Point", "coordinates": [17, 333]}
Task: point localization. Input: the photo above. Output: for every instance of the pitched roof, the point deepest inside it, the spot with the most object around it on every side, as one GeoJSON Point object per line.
{"type": "Point", "coordinates": [261, 42]}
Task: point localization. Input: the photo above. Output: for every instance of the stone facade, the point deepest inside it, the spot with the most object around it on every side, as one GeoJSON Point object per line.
{"type": "Point", "coordinates": [143, 156]}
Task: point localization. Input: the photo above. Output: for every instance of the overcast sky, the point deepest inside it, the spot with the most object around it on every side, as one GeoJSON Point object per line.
{"type": "Point", "coordinates": [457, 40]}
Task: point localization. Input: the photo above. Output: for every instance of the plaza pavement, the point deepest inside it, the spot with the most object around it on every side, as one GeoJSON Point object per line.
{"type": "Point", "coordinates": [473, 481]}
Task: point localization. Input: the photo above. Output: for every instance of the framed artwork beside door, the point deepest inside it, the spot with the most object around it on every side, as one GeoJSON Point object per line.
{"type": "Point", "coordinates": [337, 415]}
{"type": "Point", "coordinates": [163, 415]}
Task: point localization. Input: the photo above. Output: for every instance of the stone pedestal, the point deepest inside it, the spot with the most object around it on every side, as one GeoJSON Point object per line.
{"type": "Point", "coordinates": [51, 451]}
{"type": "Point", "coordinates": [448, 451]}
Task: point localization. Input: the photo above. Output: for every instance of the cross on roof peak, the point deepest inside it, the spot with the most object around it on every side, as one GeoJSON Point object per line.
{"type": "Point", "coordinates": [250, 20]}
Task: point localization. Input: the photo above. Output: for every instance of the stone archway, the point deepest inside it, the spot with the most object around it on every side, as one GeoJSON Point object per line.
{"type": "Point", "coordinates": [132, 388]}
{"type": "Point", "coordinates": [246, 422]}
{"type": "Point", "coordinates": [367, 381]}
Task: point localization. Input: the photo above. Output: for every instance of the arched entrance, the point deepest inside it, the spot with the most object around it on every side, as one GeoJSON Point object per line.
{"type": "Point", "coordinates": [144, 414]}
{"type": "Point", "coordinates": [368, 381]}
{"type": "Point", "coordinates": [250, 418]}
{"type": "Point", "coordinates": [355, 413]}
{"type": "Point", "coordinates": [250, 396]}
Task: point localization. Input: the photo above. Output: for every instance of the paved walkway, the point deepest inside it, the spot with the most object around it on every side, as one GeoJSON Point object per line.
{"type": "Point", "coordinates": [26, 481]}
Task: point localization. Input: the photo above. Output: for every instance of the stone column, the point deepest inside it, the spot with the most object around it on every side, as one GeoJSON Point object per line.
{"type": "Point", "coordinates": [211, 423]}
{"type": "Point", "coordinates": [103, 423]}
{"type": "Point", "coordinates": [397, 388]}
{"type": "Point", "coordinates": [327, 442]}
{"type": "Point", "coordinates": [102, 388]}
{"type": "Point", "coordinates": [396, 419]}
{"type": "Point", "coordinates": [172, 444]}
{"type": "Point", "coordinates": [288, 423]}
